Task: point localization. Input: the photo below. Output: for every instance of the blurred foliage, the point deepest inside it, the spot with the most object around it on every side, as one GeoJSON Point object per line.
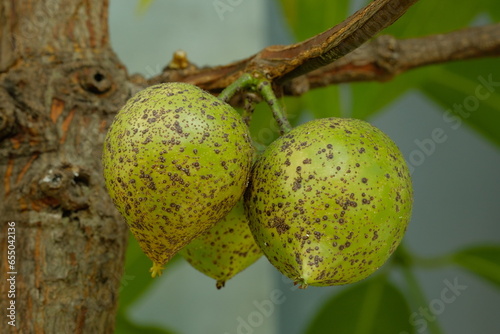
{"type": "Point", "coordinates": [372, 306]}
{"type": "Point", "coordinates": [135, 282]}
{"type": "Point", "coordinates": [483, 261]}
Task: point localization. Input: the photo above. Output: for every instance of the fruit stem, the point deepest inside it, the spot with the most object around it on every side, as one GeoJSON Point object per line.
{"type": "Point", "coordinates": [244, 82]}
{"type": "Point", "coordinates": [249, 106]}
{"type": "Point", "coordinates": [267, 93]}
{"type": "Point", "coordinates": [258, 83]}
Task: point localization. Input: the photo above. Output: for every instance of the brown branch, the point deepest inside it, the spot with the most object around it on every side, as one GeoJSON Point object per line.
{"type": "Point", "coordinates": [336, 42]}
{"type": "Point", "coordinates": [280, 63]}
{"type": "Point", "coordinates": [386, 57]}
{"type": "Point", "coordinates": [379, 60]}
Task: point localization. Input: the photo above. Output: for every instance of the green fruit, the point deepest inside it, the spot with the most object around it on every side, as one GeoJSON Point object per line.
{"type": "Point", "coordinates": [330, 201]}
{"type": "Point", "coordinates": [176, 160]}
{"type": "Point", "coordinates": [224, 250]}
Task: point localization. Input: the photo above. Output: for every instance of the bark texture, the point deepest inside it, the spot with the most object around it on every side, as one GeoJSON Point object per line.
{"type": "Point", "coordinates": [60, 85]}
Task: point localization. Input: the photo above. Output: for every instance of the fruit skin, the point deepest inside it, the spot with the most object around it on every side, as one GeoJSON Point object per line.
{"type": "Point", "coordinates": [224, 250]}
{"type": "Point", "coordinates": [176, 160]}
{"type": "Point", "coordinates": [330, 201]}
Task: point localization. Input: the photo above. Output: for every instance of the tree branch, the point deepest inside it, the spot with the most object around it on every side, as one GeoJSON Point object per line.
{"type": "Point", "coordinates": [386, 57]}
{"type": "Point", "coordinates": [280, 63]}
{"type": "Point", "coordinates": [379, 60]}
{"type": "Point", "coordinates": [336, 42]}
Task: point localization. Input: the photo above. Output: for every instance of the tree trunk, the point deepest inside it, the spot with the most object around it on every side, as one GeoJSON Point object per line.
{"type": "Point", "coordinates": [60, 86]}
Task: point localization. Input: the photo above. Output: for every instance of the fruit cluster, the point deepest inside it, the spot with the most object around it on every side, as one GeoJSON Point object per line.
{"type": "Point", "coordinates": [327, 202]}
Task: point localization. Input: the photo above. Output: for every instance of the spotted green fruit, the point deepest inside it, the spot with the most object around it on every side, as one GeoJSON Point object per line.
{"type": "Point", "coordinates": [224, 250]}
{"type": "Point", "coordinates": [330, 201]}
{"type": "Point", "coordinates": [176, 160]}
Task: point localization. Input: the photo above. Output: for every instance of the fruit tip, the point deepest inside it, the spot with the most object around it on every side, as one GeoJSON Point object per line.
{"type": "Point", "coordinates": [220, 284]}
{"type": "Point", "coordinates": [301, 282]}
{"type": "Point", "coordinates": [156, 270]}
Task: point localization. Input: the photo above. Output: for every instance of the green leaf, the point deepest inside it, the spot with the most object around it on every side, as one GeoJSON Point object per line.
{"type": "Point", "coordinates": [371, 307]}
{"type": "Point", "coordinates": [493, 9]}
{"type": "Point", "coordinates": [137, 278]}
{"type": "Point", "coordinates": [295, 109]}
{"type": "Point", "coordinates": [483, 261]}
{"type": "Point", "coordinates": [309, 18]}
{"type": "Point", "coordinates": [426, 17]}
{"type": "Point", "coordinates": [469, 92]}
{"type": "Point", "coordinates": [125, 326]}
{"type": "Point", "coordinates": [324, 102]}
{"type": "Point", "coordinates": [370, 98]}
{"type": "Point", "coordinates": [263, 127]}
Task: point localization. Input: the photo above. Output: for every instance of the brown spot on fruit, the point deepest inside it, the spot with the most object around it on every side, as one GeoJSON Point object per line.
{"type": "Point", "coordinates": [163, 149]}
{"type": "Point", "coordinates": [225, 249]}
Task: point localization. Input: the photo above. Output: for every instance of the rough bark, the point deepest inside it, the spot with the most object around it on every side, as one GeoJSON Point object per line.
{"type": "Point", "coordinates": [60, 85]}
